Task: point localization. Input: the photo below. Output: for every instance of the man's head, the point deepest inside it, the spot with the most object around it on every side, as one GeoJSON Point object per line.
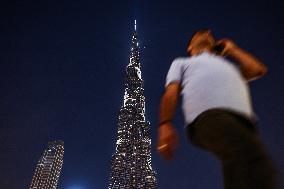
{"type": "Point", "coordinates": [201, 41]}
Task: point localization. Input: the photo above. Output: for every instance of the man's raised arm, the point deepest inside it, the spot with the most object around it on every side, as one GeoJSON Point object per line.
{"type": "Point", "coordinates": [251, 67]}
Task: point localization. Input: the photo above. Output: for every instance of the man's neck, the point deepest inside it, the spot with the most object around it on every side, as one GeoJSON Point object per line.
{"type": "Point", "coordinates": [202, 51]}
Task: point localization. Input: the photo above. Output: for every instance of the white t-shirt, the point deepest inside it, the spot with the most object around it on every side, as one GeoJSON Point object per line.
{"type": "Point", "coordinates": [209, 81]}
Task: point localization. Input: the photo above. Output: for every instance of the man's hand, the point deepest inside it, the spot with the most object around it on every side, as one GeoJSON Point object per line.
{"type": "Point", "coordinates": [167, 140]}
{"type": "Point", "coordinates": [228, 46]}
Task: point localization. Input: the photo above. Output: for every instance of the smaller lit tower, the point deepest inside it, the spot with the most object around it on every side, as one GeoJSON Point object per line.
{"type": "Point", "coordinates": [49, 166]}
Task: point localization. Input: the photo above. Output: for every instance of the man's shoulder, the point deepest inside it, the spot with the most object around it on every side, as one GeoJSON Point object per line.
{"type": "Point", "coordinates": [195, 57]}
{"type": "Point", "coordinates": [181, 59]}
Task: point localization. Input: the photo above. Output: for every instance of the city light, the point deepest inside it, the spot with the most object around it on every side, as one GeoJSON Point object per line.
{"type": "Point", "coordinates": [76, 187]}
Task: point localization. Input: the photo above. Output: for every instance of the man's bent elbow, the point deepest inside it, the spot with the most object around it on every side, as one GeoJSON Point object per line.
{"type": "Point", "coordinates": [263, 70]}
{"type": "Point", "coordinates": [256, 73]}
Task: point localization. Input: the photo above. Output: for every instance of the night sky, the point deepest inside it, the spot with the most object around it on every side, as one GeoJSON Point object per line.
{"type": "Point", "coordinates": [62, 69]}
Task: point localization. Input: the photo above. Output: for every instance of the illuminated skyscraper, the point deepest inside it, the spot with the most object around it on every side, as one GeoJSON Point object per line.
{"type": "Point", "coordinates": [49, 166]}
{"type": "Point", "coordinates": [131, 163]}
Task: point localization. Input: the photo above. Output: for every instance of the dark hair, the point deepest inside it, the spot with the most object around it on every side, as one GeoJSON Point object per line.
{"type": "Point", "coordinates": [200, 32]}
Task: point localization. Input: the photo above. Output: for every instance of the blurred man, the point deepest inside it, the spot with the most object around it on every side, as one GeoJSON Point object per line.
{"type": "Point", "coordinates": [217, 109]}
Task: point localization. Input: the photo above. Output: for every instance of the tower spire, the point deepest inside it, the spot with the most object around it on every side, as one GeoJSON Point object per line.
{"type": "Point", "coordinates": [131, 163]}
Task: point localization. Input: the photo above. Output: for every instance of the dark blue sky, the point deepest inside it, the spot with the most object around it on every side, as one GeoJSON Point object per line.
{"type": "Point", "coordinates": [62, 69]}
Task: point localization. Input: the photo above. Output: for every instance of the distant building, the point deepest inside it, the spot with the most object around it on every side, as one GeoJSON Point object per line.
{"type": "Point", "coordinates": [49, 166]}
{"type": "Point", "coordinates": [131, 163]}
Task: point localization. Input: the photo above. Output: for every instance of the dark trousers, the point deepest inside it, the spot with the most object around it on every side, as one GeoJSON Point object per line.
{"type": "Point", "coordinates": [235, 142]}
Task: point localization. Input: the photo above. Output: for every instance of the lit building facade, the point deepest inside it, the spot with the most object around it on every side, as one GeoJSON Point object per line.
{"type": "Point", "coordinates": [131, 163]}
{"type": "Point", "coordinates": [49, 166]}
